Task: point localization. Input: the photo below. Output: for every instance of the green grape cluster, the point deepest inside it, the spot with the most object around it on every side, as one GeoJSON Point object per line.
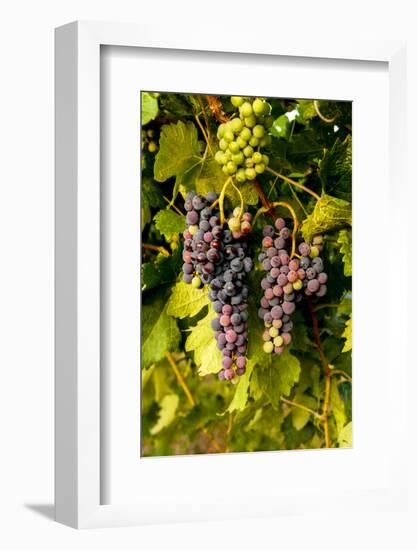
{"type": "Point", "coordinates": [242, 138]}
{"type": "Point", "coordinates": [148, 141]}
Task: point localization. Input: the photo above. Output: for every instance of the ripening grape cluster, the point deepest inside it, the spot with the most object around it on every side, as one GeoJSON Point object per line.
{"type": "Point", "coordinates": [242, 138]}
{"type": "Point", "coordinates": [219, 257]}
{"type": "Point", "coordinates": [148, 141]}
{"type": "Point", "coordinates": [286, 278]}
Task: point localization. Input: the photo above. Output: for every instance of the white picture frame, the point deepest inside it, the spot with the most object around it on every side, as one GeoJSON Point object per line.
{"type": "Point", "coordinates": [78, 425]}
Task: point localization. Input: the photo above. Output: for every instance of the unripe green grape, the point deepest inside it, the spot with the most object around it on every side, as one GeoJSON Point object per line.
{"type": "Point", "coordinates": [278, 341]}
{"type": "Point", "coordinates": [234, 147]}
{"type": "Point", "coordinates": [297, 285]}
{"type": "Point", "coordinates": [234, 224]}
{"type": "Point", "coordinates": [257, 157]}
{"type": "Point", "coordinates": [267, 109]}
{"type": "Point", "coordinates": [237, 212]}
{"type": "Point", "coordinates": [196, 282]}
{"type": "Point", "coordinates": [228, 154]}
{"type": "Point", "coordinates": [240, 175]}
{"type": "Point", "coordinates": [224, 169]}
{"type": "Point", "coordinates": [248, 151]}
{"type": "Point", "coordinates": [265, 159]}
{"type": "Point", "coordinates": [236, 101]}
{"type": "Point", "coordinates": [236, 124]}
{"type": "Point", "coordinates": [258, 107]}
{"type": "Point", "coordinates": [220, 131]}
{"type": "Point", "coordinates": [273, 332]}
{"type": "Point", "coordinates": [152, 147]}
{"type": "Point", "coordinates": [258, 131]}
{"type": "Point", "coordinates": [249, 162]}
{"type": "Point", "coordinates": [250, 121]}
{"type": "Point", "coordinates": [254, 141]}
{"type": "Point", "coordinates": [238, 158]}
{"type": "Point", "coordinates": [246, 109]}
{"type": "Point", "coordinates": [266, 140]}
{"type": "Point", "coordinates": [220, 157]}
{"type": "Point", "coordinates": [228, 136]}
{"type": "Point", "coordinates": [223, 144]}
{"type": "Point", "coordinates": [314, 252]}
{"type": "Point", "coordinates": [231, 167]}
{"type": "Point", "coordinates": [246, 134]}
{"type": "Point", "coordinates": [150, 133]}
{"type": "Point", "coordinates": [193, 229]}
{"type": "Point", "coordinates": [250, 173]}
{"type": "Point", "coordinates": [268, 347]}
{"type": "Point", "coordinates": [144, 134]}
{"type": "Point", "coordinates": [260, 168]}
{"type": "Point", "coordinates": [241, 142]}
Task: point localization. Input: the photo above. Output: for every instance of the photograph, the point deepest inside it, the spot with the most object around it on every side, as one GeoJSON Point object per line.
{"type": "Point", "coordinates": [246, 273]}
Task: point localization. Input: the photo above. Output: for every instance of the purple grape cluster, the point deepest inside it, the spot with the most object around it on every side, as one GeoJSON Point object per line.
{"type": "Point", "coordinates": [315, 279]}
{"type": "Point", "coordinates": [220, 258]}
{"type": "Point", "coordinates": [284, 278]}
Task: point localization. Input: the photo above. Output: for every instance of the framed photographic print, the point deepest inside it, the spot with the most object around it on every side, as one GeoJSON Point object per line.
{"type": "Point", "coordinates": [213, 304]}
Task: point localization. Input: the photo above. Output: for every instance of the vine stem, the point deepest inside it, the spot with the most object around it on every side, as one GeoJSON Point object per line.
{"type": "Point", "coordinates": [342, 373]}
{"type": "Point", "coordinates": [172, 205]}
{"type": "Point", "coordinates": [180, 378]}
{"type": "Point", "coordinates": [327, 373]}
{"type": "Point", "coordinates": [156, 248]}
{"type": "Point", "coordinates": [299, 406]}
{"type": "Point", "coordinates": [320, 115]}
{"type": "Point", "coordinates": [203, 132]}
{"type": "Point", "coordinates": [293, 182]}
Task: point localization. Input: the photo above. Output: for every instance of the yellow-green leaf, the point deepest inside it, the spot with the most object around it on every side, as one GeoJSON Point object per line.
{"type": "Point", "coordinates": [159, 333]}
{"type": "Point", "coordinates": [166, 415]}
{"type": "Point", "coordinates": [150, 108]}
{"type": "Point", "coordinates": [300, 417]}
{"type": "Point", "coordinates": [169, 223]}
{"type": "Point", "coordinates": [347, 334]}
{"type": "Point", "coordinates": [345, 242]}
{"type": "Point", "coordinates": [186, 301]}
{"type": "Point", "coordinates": [240, 397]}
{"type": "Point", "coordinates": [337, 405]}
{"type": "Point", "coordinates": [201, 341]}
{"type": "Point", "coordinates": [329, 214]}
{"type": "Point", "coordinates": [345, 436]}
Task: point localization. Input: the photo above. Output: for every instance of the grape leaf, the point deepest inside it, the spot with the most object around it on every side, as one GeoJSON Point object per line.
{"type": "Point", "coordinates": [151, 196]}
{"type": "Point", "coordinates": [280, 127]}
{"type": "Point", "coordinates": [300, 417]}
{"type": "Point", "coordinates": [162, 270]}
{"type": "Point", "coordinates": [159, 332]}
{"type": "Point", "coordinates": [166, 415]}
{"type": "Point", "coordinates": [336, 169]}
{"type": "Point", "coordinates": [201, 341]}
{"type": "Point", "coordinates": [306, 111]}
{"type": "Point", "coordinates": [169, 223]}
{"type": "Point", "coordinates": [347, 334]}
{"type": "Point", "coordinates": [337, 405]}
{"type": "Point", "coordinates": [278, 376]}
{"type": "Point", "coordinates": [329, 214]}
{"type": "Point", "coordinates": [178, 145]}
{"type": "Point", "coordinates": [240, 397]}
{"type": "Point", "coordinates": [345, 242]}
{"type": "Point", "coordinates": [186, 301]}
{"type": "Point", "coordinates": [345, 436]}
{"type": "Point", "coordinates": [150, 108]}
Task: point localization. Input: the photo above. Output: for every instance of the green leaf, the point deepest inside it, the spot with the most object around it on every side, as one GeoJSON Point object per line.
{"type": "Point", "coordinates": [306, 111]}
{"type": "Point", "coordinates": [164, 269]}
{"type": "Point", "coordinates": [345, 242]}
{"type": "Point", "coordinates": [300, 417]}
{"type": "Point", "coordinates": [329, 214]}
{"type": "Point", "coordinates": [169, 406]}
{"type": "Point", "coordinates": [240, 397]}
{"type": "Point", "coordinates": [186, 301]}
{"type": "Point", "coordinates": [169, 223]}
{"type": "Point", "coordinates": [150, 108]}
{"type": "Point", "coordinates": [159, 332]}
{"type": "Point", "coordinates": [347, 334]}
{"type": "Point", "coordinates": [345, 437]}
{"type": "Point", "coordinates": [336, 169]}
{"type": "Point", "coordinates": [151, 197]}
{"type": "Point", "coordinates": [178, 146]}
{"type": "Point", "coordinates": [280, 127]}
{"type": "Point", "coordinates": [279, 376]}
{"type": "Point", "coordinates": [201, 341]}
{"type": "Point", "coordinates": [337, 405]}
